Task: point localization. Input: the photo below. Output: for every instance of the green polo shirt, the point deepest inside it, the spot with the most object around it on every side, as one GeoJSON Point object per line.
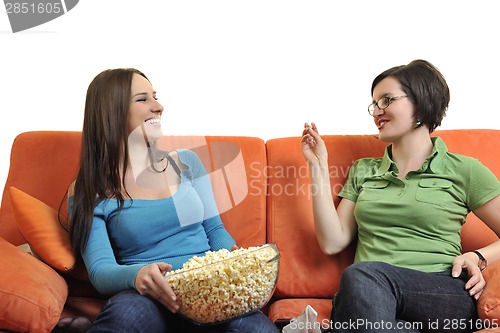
{"type": "Point", "coordinates": [416, 222]}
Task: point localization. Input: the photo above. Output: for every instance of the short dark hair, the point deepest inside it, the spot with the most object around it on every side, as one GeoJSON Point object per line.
{"type": "Point", "coordinates": [425, 86]}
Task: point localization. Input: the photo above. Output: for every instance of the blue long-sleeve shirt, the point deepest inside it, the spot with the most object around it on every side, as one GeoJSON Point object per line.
{"type": "Point", "coordinates": [170, 230]}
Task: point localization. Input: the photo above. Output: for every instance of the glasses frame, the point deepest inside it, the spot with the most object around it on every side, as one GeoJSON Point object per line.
{"type": "Point", "coordinates": [371, 107]}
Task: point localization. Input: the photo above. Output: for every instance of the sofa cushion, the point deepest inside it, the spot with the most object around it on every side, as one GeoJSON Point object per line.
{"type": "Point", "coordinates": [488, 305]}
{"type": "Point", "coordinates": [283, 310]}
{"type": "Point", "coordinates": [32, 294]}
{"type": "Point", "coordinates": [42, 230]}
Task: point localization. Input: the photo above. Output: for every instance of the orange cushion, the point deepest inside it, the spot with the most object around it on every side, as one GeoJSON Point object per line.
{"type": "Point", "coordinates": [32, 295]}
{"type": "Point", "coordinates": [40, 227]}
{"type": "Point", "coordinates": [283, 310]}
{"type": "Point", "coordinates": [488, 305]}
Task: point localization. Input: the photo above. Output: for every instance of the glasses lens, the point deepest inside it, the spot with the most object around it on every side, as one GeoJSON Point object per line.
{"type": "Point", "coordinates": [383, 103]}
{"type": "Point", "coordinates": [371, 108]}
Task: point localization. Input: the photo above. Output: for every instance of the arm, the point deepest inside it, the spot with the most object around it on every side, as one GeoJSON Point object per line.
{"type": "Point", "coordinates": [335, 228]}
{"type": "Point", "coordinates": [108, 277]}
{"type": "Point", "coordinates": [489, 213]}
{"type": "Point", "coordinates": [105, 274]}
{"type": "Point", "coordinates": [483, 196]}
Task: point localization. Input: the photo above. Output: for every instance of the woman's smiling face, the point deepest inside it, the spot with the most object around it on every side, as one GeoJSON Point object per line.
{"type": "Point", "coordinates": [144, 110]}
{"type": "Point", "coordinates": [398, 118]}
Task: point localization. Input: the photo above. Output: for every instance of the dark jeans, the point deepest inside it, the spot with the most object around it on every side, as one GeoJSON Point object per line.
{"type": "Point", "coordinates": [378, 297]}
{"type": "Point", "coordinates": [128, 311]}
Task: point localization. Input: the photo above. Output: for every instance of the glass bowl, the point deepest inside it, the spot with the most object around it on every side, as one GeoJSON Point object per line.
{"type": "Point", "coordinates": [224, 285]}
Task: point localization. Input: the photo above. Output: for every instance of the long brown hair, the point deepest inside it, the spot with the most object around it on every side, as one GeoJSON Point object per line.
{"type": "Point", "coordinates": [104, 150]}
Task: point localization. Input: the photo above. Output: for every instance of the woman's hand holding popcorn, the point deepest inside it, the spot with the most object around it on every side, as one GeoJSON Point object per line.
{"type": "Point", "coordinates": [212, 290]}
{"type": "Point", "coordinates": [151, 282]}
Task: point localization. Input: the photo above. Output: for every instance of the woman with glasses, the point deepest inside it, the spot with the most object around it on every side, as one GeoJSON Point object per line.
{"type": "Point", "coordinates": [406, 210]}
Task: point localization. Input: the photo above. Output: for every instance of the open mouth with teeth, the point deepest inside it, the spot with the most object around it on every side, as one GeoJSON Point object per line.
{"type": "Point", "coordinates": [381, 123]}
{"type": "Point", "coordinates": [153, 121]}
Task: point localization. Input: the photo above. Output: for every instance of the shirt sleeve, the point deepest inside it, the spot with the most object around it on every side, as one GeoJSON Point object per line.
{"type": "Point", "coordinates": [105, 274]}
{"type": "Point", "coordinates": [217, 234]}
{"type": "Point", "coordinates": [483, 185]}
{"type": "Point", "coordinates": [350, 189]}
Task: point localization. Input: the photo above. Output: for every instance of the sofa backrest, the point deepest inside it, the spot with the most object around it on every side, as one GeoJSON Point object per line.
{"type": "Point", "coordinates": [305, 271]}
{"type": "Point", "coordinates": [44, 163]}
{"type": "Point", "coordinates": [277, 188]}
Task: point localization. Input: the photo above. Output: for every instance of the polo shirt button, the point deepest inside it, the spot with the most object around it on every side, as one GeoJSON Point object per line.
{"type": "Point", "coordinates": [434, 183]}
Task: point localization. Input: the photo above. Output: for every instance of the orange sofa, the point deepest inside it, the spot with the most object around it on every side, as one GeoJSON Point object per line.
{"type": "Point", "coordinates": [273, 205]}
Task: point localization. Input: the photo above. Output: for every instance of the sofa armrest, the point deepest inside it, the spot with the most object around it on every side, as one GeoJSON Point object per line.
{"type": "Point", "coordinates": [488, 306]}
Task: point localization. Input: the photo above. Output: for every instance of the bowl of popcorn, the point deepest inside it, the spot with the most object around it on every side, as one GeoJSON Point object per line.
{"type": "Point", "coordinates": [224, 285]}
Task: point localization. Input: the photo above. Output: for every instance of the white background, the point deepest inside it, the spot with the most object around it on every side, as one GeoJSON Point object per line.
{"type": "Point", "coordinates": [253, 68]}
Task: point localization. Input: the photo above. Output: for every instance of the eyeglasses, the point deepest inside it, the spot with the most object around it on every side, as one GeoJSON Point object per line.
{"type": "Point", "coordinates": [383, 103]}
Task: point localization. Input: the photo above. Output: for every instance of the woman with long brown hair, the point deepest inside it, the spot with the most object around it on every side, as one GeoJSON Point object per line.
{"type": "Point", "coordinates": [138, 211]}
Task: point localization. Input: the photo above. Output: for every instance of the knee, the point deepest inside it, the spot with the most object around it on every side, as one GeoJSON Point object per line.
{"type": "Point", "coordinates": [362, 270]}
{"type": "Point", "coordinates": [256, 322]}
{"type": "Point", "coordinates": [362, 275]}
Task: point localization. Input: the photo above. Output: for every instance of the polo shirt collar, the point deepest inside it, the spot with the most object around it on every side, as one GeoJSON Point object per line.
{"type": "Point", "coordinates": [386, 163]}
{"type": "Point", "coordinates": [434, 162]}
{"type": "Point", "coordinates": [438, 155]}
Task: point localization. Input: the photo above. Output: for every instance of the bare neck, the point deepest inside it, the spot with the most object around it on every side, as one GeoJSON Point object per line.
{"type": "Point", "coordinates": [410, 152]}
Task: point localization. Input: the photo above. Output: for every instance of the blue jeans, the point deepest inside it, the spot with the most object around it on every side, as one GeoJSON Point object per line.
{"type": "Point", "coordinates": [378, 297]}
{"type": "Point", "coordinates": [128, 311]}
